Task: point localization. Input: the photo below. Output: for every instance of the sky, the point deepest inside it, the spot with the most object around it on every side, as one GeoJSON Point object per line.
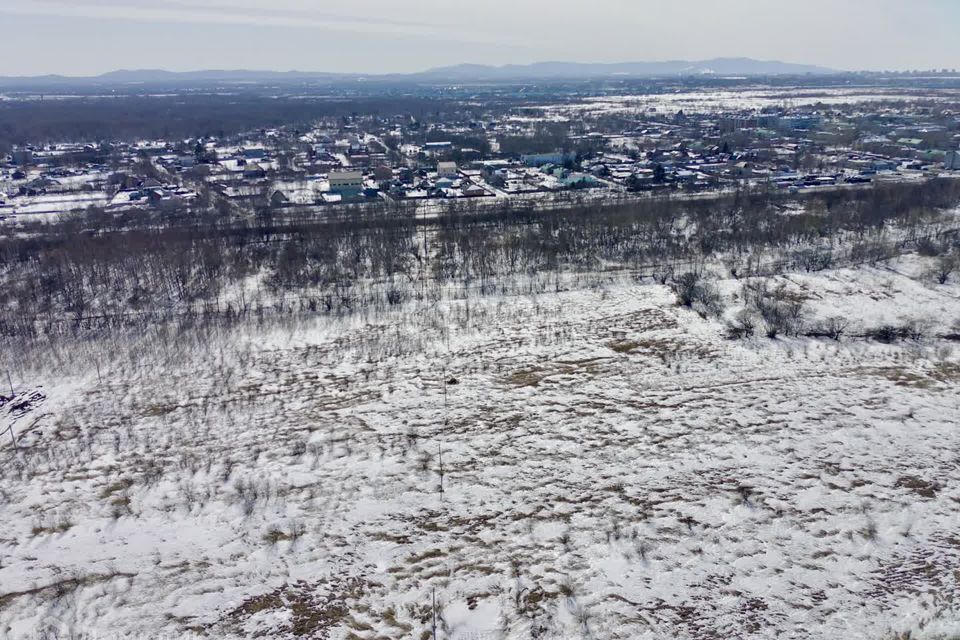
{"type": "Point", "coordinates": [87, 37]}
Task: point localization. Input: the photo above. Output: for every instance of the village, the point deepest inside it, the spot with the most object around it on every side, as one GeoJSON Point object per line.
{"type": "Point", "coordinates": [632, 145]}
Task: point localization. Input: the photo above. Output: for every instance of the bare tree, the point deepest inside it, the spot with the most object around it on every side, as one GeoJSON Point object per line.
{"type": "Point", "coordinates": [945, 267]}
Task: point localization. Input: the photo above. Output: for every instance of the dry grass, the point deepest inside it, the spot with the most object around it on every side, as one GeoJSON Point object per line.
{"type": "Point", "coordinates": [623, 346]}
{"type": "Point", "coordinates": [314, 608]}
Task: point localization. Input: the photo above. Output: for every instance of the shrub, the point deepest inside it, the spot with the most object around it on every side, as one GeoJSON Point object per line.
{"type": "Point", "coordinates": [954, 333]}
{"type": "Point", "coordinates": [928, 248]}
{"type": "Point", "coordinates": [686, 286]}
{"type": "Point", "coordinates": [693, 292]}
{"type": "Point", "coordinates": [915, 329]}
{"type": "Point", "coordinates": [833, 327]}
{"type": "Point", "coordinates": [910, 329]}
{"type": "Point", "coordinates": [783, 312]}
{"type": "Point", "coordinates": [744, 325]}
{"type": "Point", "coordinates": [886, 333]}
{"type": "Point", "coordinates": [813, 260]}
{"type": "Point", "coordinates": [945, 267]}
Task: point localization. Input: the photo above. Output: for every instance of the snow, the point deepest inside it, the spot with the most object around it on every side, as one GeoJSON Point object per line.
{"type": "Point", "coordinates": [58, 203]}
{"type": "Point", "coordinates": [712, 101]}
{"type": "Point", "coordinates": [613, 467]}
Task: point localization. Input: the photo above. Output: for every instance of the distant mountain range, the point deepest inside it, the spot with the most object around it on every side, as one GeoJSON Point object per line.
{"type": "Point", "coordinates": [456, 73]}
{"type": "Point", "coordinates": [716, 66]}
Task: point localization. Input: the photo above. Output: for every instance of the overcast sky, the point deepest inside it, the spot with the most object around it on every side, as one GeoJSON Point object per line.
{"type": "Point", "coordinates": [81, 37]}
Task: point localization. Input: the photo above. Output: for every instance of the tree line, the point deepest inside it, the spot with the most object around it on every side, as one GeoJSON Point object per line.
{"type": "Point", "coordinates": [100, 269]}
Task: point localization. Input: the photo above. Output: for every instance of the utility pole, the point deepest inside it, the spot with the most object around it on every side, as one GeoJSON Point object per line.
{"type": "Point", "coordinates": [10, 382]}
{"type": "Point", "coordinates": [440, 455]}
{"type": "Point", "coordinates": [443, 382]}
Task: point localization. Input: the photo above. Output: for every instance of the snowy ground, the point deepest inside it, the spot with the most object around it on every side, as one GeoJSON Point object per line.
{"type": "Point", "coordinates": [612, 467]}
{"type": "Point", "coordinates": [713, 101]}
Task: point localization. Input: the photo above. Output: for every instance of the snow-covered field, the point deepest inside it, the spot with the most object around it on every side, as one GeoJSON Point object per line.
{"type": "Point", "coordinates": [703, 101]}
{"type": "Point", "coordinates": [612, 466]}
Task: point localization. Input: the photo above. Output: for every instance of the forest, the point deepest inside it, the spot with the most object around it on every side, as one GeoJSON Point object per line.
{"type": "Point", "coordinates": [186, 115]}
{"type": "Point", "coordinates": [98, 271]}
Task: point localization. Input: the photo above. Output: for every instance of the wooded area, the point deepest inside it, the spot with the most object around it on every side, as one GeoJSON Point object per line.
{"type": "Point", "coordinates": [96, 271]}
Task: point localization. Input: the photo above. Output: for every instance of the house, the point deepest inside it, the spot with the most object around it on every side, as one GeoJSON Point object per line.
{"type": "Point", "coordinates": [802, 122]}
{"type": "Point", "coordinates": [447, 169]}
{"type": "Point", "coordinates": [769, 120]}
{"type": "Point", "coordinates": [539, 159]}
{"type": "Point", "coordinates": [346, 183]}
{"type": "Point", "coordinates": [438, 146]}
{"type": "Point", "coordinates": [278, 199]}
{"type": "Point", "coordinates": [469, 155]}
{"type": "Point", "coordinates": [579, 181]}
{"type": "Point", "coordinates": [254, 171]}
{"type": "Point", "coordinates": [23, 157]}
{"type": "Point", "coordinates": [732, 124]}
{"type": "Point", "coordinates": [254, 153]}
{"type": "Point", "coordinates": [952, 161]}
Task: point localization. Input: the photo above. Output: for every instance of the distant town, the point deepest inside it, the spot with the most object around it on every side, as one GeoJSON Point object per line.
{"type": "Point", "coordinates": [639, 143]}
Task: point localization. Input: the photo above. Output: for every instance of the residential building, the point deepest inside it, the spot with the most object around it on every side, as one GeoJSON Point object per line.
{"type": "Point", "coordinates": [539, 159]}
{"type": "Point", "coordinates": [23, 157]}
{"type": "Point", "coordinates": [447, 169]}
{"type": "Point", "coordinates": [346, 183]}
{"type": "Point", "coordinates": [952, 161]}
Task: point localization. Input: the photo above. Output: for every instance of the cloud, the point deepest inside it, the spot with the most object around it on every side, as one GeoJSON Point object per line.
{"type": "Point", "coordinates": [225, 10]}
{"type": "Point", "coordinates": [282, 14]}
